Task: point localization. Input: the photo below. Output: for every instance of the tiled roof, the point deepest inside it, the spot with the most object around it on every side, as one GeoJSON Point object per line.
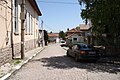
{"type": "Point", "coordinates": [74, 30]}
{"type": "Point", "coordinates": [84, 27]}
{"type": "Point", "coordinates": [53, 35]}
{"type": "Point", "coordinates": [71, 35]}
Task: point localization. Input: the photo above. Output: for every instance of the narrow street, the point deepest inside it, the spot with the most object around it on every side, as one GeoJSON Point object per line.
{"type": "Point", "coordinates": [53, 64]}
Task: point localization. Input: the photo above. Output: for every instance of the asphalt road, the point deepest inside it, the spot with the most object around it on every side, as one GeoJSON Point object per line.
{"type": "Point", "coordinates": [53, 64]}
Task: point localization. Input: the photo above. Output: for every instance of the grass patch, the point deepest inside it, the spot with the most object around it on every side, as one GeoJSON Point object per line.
{"type": "Point", "coordinates": [15, 62]}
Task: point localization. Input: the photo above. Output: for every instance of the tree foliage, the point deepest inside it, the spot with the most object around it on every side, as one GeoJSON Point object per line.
{"type": "Point", "coordinates": [62, 34]}
{"type": "Point", "coordinates": [104, 16]}
{"type": "Point", "coordinates": [45, 36]}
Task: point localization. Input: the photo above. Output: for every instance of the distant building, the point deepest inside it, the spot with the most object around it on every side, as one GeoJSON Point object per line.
{"type": "Point", "coordinates": [73, 36]}
{"type": "Point", "coordinates": [40, 38]}
{"type": "Point", "coordinates": [81, 33]}
{"type": "Point", "coordinates": [86, 32]}
{"type": "Point", "coordinates": [53, 37]}
{"type": "Point", "coordinates": [73, 31]}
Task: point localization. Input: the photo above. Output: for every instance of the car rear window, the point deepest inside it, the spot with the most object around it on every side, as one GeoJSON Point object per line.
{"type": "Point", "coordinates": [62, 41]}
{"type": "Point", "coordinates": [86, 46]}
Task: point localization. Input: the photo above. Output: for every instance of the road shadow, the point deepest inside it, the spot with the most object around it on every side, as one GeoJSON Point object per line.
{"type": "Point", "coordinates": [64, 62]}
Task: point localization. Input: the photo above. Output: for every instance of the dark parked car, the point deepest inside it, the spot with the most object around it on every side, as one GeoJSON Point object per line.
{"type": "Point", "coordinates": [81, 51]}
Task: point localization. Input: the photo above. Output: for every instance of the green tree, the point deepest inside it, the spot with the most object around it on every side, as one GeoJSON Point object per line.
{"type": "Point", "coordinates": [105, 17]}
{"type": "Point", "coordinates": [45, 37]}
{"type": "Point", "coordinates": [62, 34]}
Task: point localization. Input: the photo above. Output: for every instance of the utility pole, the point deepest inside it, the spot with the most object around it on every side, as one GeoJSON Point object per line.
{"type": "Point", "coordinates": [22, 17]}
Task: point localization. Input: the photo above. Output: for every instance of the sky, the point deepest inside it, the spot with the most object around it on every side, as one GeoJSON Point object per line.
{"type": "Point", "coordinates": [58, 15]}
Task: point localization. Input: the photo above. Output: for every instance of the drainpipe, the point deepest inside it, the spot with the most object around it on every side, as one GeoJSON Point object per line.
{"type": "Point", "coordinates": [34, 30]}
{"type": "Point", "coordinates": [12, 43]}
{"type": "Point", "coordinates": [42, 33]}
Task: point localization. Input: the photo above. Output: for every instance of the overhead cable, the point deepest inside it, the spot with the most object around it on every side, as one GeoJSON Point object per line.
{"type": "Point", "coordinates": [53, 2]}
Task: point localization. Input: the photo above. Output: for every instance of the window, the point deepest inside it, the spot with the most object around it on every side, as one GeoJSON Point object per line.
{"type": "Point", "coordinates": [16, 16]}
{"type": "Point", "coordinates": [29, 24]}
{"type": "Point", "coordinates": [26, 24]}
{"type": "Point", "coordinates": [75, 39]}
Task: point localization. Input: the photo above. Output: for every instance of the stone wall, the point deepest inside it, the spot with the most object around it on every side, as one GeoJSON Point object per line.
{"type": "Point", "coordinates": [17, 48]}
{"type": "Point", "coordinates": [6, 53]}
{"type": "Point", "coordinates": [29, 45]}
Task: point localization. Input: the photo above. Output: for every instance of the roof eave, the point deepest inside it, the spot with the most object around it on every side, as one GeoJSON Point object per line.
{"type": "Point", "coordinates": [35, 6]}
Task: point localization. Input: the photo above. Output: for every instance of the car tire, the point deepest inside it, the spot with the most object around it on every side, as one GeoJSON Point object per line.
{"type": "Point", "coordinates": [76, 58]}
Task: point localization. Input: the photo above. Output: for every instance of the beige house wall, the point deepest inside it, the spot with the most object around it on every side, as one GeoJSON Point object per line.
{"type": "Point", "coordinates": [5, 30]}
{"type": "Point", "coordinates": [34, 34]}
{"type": "Point", "coordinates": [29, 9]}
{"type": "Point", "coordinates": [5, 23]}
{"type": "Point", "coordinates": [30, 37]}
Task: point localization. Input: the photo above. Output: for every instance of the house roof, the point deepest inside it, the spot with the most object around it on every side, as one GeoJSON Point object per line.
{"type": "Point", "coordinates": [35, 6]}
{"type": "Point", "coordinates": [84, 27]}
{"type": "Point", "coordinates": [74, 30]}
{"type": "Point", "coordinates": [53, 35]}
{"type": "Point", "coordinates": [71, 35]}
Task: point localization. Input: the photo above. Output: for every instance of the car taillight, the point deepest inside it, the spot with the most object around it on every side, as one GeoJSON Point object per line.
{"type": "Point", "coordinates": [82, 52]}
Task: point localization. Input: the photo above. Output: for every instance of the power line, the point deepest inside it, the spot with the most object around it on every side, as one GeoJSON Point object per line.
{"type": "Point", "coordinates": [49, 27]}
{"type": "Point", "coordinates": [53, 2]}
{"type": "Point", "coordinates": [46, 26]}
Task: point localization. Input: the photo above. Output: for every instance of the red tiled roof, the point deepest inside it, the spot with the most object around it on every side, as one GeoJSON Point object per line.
{"type": "Point", "coordinates": [74, 30]}
{"type": "Point", "coordinates": [84, 27]}
{"type": "Point", "coordinates": [53, 35]}
{"type": "Point", "coordinates": [71, 35]}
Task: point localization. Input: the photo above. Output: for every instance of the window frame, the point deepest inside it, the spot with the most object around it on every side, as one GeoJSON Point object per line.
{"type": "Point", "coordinates": [16, 26]}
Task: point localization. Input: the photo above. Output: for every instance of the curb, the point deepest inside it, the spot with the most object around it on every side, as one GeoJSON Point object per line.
{"type": "Point", "coordinates": [6, 76]}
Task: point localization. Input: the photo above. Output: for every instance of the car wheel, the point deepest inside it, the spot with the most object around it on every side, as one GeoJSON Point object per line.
{"type": "Point", "coordinates": [68, 54]}
{"type": "Point", "coordinates": [76, 58]}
